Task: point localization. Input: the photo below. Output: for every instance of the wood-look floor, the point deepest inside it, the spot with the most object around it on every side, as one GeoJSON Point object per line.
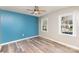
{"type": "Point", "coordinates": [36, 45]}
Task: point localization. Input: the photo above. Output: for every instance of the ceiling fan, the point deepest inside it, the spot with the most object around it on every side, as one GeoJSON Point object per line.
{"type": "Point", "coordinates": [36, 10]}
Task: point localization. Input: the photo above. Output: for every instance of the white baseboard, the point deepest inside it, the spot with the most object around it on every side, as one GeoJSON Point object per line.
{"type": "Point", "coordinates": [65, 44]}
{"type": "Point", "coordinates": [19, 40]}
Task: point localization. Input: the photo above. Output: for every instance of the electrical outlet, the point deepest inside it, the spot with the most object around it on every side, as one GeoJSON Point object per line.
{"type": "Point", "coordinates": [22, 34]}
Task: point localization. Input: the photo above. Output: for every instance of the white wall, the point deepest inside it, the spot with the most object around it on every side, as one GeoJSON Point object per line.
{"type": "Point", "coordinates": [53, 27]}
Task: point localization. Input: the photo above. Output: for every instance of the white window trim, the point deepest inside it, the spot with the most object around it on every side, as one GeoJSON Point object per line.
{"type": "Point", "coordinates": [74, 23]}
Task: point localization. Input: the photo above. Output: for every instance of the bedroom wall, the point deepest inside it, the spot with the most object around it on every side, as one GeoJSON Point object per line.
{"type": "Point", "coordinates": [53, 27]}
{"type": "Point", "coordinates": [15, 26]}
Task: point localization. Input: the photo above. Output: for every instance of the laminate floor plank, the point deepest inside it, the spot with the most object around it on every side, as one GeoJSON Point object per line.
{"type": "Point", "coordinates": [36, 45]}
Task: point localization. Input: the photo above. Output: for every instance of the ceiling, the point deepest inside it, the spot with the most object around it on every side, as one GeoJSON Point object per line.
{"type": "Point", "coordinates": [22, 9]}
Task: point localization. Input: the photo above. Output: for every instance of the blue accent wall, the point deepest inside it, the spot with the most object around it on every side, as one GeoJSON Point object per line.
{"type": "Point", "coordinates": [14, 25]}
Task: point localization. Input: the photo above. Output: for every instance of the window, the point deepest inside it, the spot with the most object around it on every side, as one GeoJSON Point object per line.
{"type": "Point", "coordinates": [44, 25]}
{"type": "Point", "coordinates": [67, 24]}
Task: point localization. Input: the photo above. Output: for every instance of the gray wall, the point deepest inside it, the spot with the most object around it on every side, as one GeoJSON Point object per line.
{"type": "Point", "coordinates": [53, 27]}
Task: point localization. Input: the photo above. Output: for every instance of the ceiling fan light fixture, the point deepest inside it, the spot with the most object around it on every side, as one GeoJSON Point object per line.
{"type": "Point", "coordinates": [36, 10]}
{"type": "Point", "coordinates": [35, 13]}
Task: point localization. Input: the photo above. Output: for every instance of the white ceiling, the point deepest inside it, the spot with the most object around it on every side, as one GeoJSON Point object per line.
{"type": "Point", "coordinates": [22, 9]}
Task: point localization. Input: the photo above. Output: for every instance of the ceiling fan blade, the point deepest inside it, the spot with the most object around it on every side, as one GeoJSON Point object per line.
{"type": "Point", "coordinates": [39, 13]}
{"type": "Point", "coordinates": [29, 9]}
{"type": "Point", "coordinates": [42, 10]}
